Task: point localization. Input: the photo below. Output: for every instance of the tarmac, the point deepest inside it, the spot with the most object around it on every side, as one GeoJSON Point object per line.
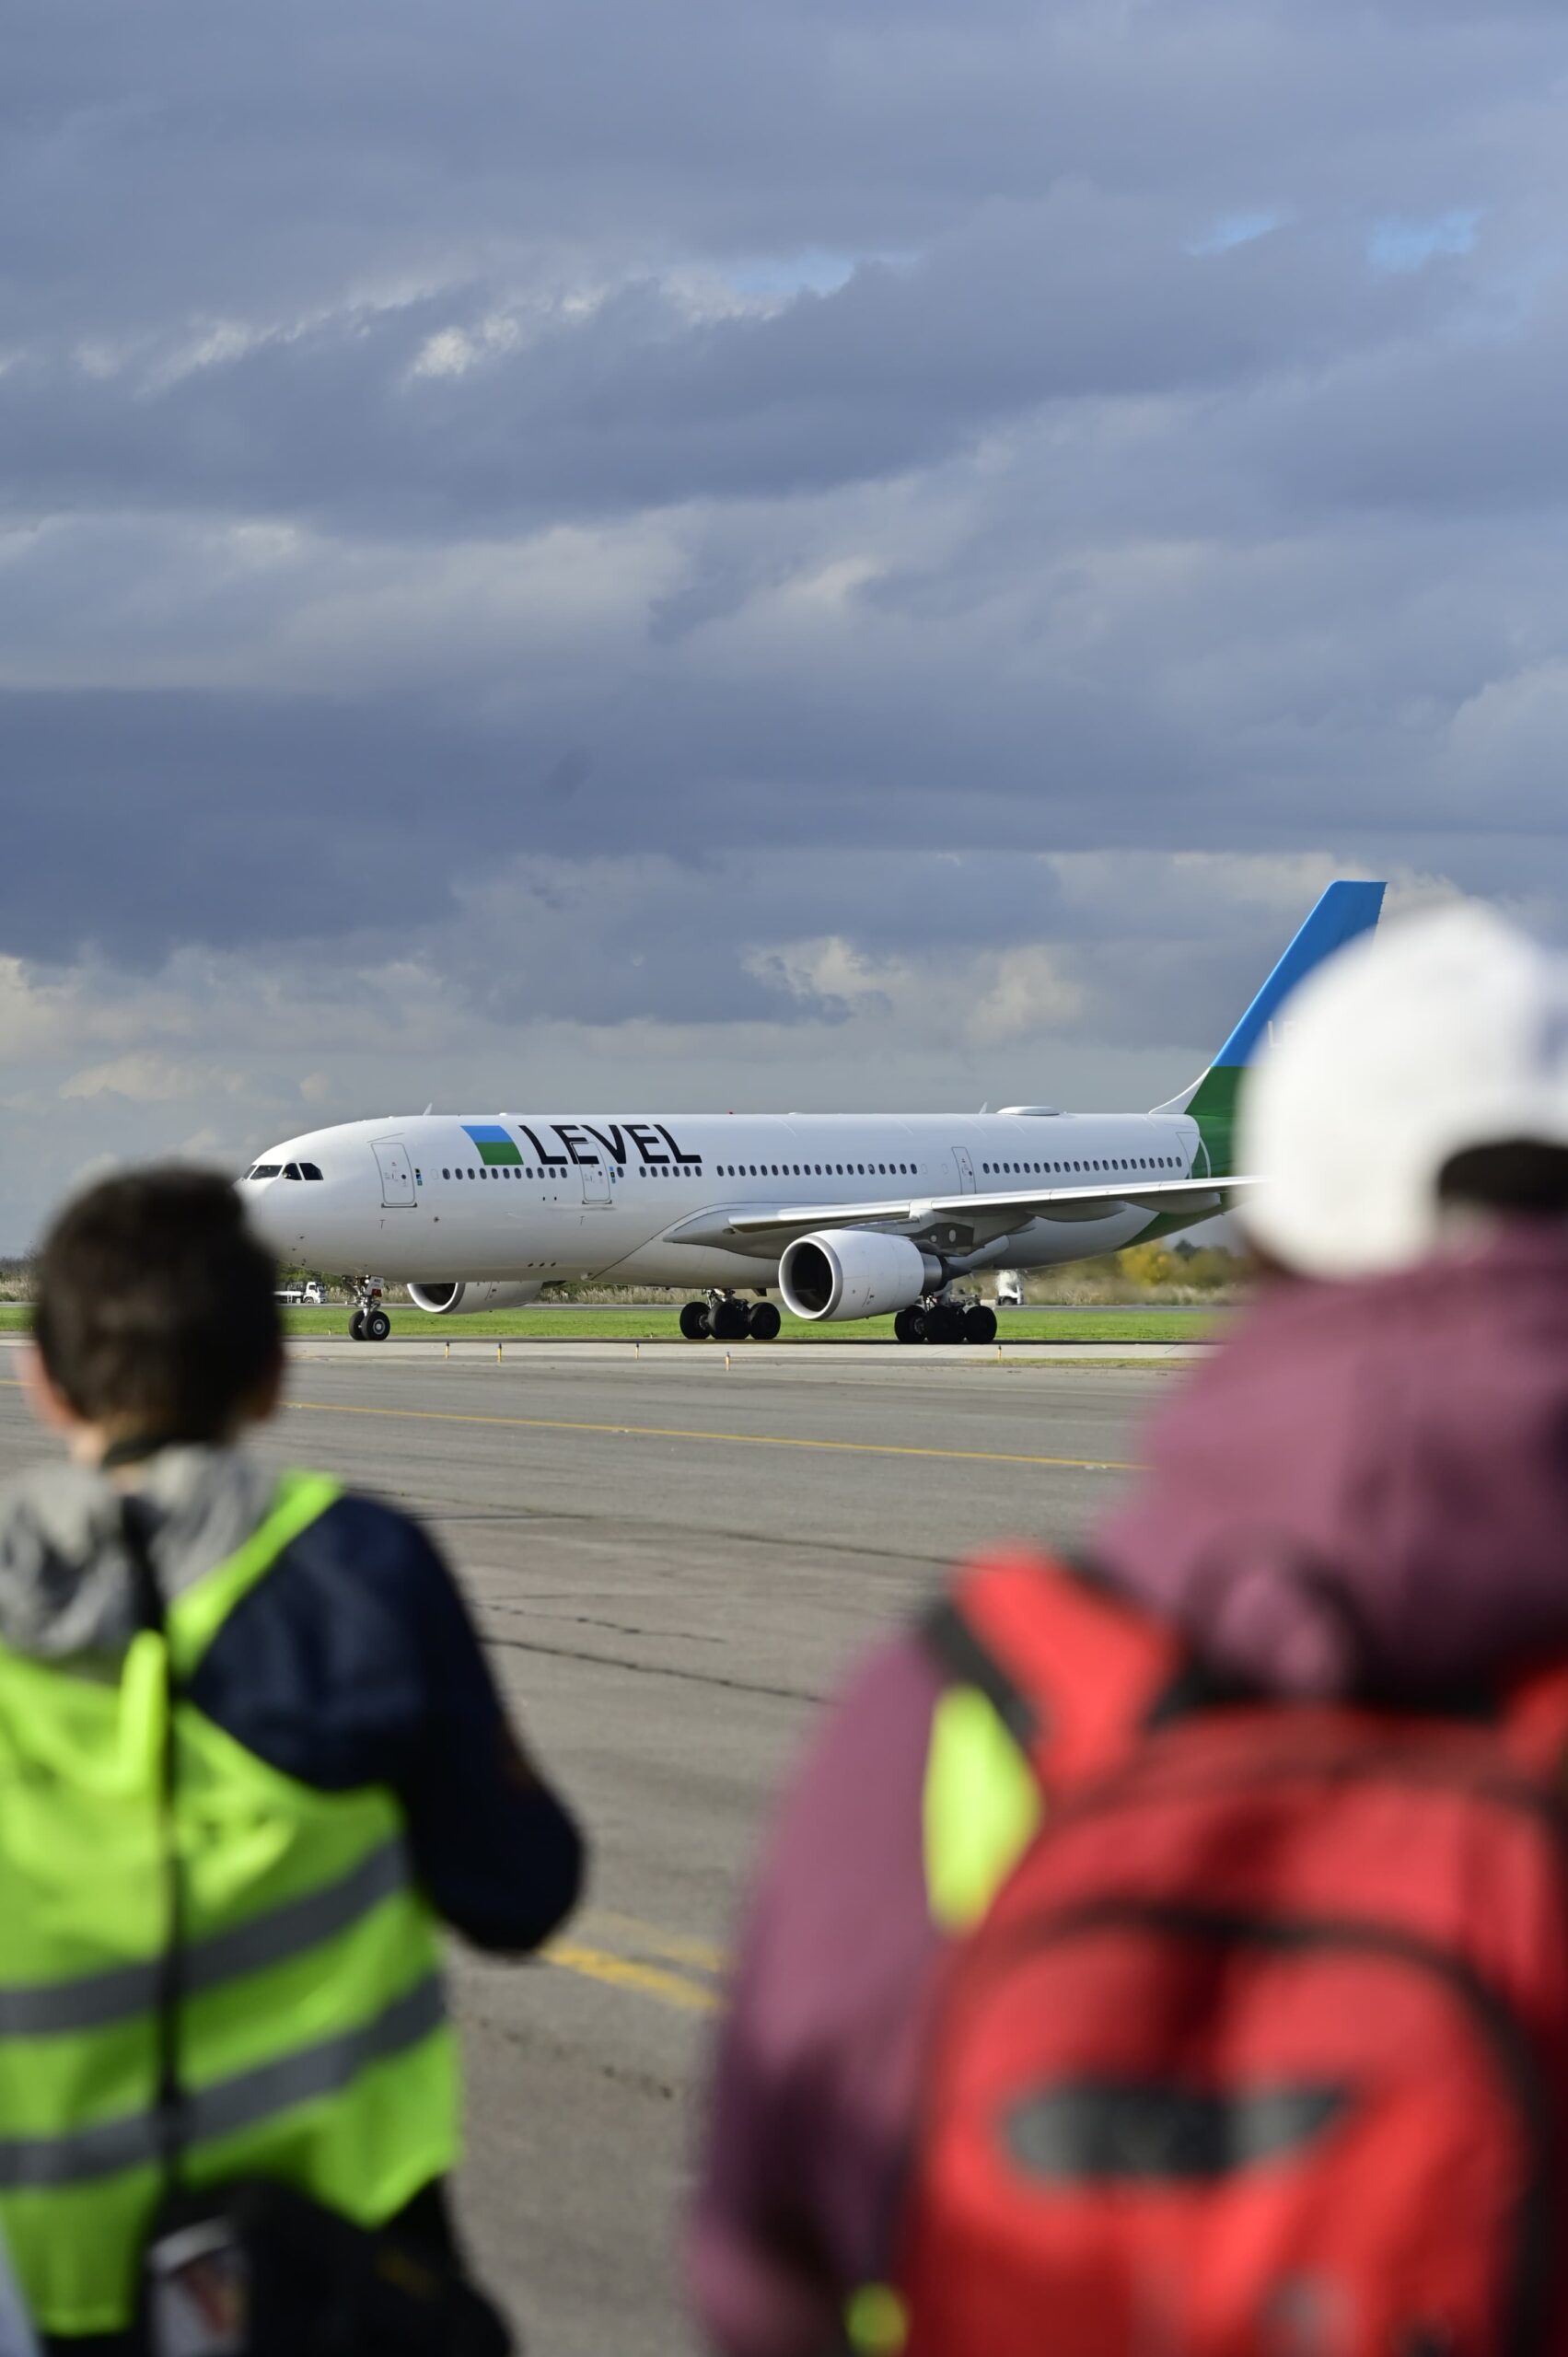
{"type": "Point", "coordinates": [484, 1349]}
{"type": "Point", "coordinates": [673, 1563]}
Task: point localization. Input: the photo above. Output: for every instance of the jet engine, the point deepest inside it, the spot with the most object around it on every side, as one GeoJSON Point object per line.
{"type": "Point", "coordinates": [854, 1273]}
{"type": "Point", "coordinates": [445, 1299]}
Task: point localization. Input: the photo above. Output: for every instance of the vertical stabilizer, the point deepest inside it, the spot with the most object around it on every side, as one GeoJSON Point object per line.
{"type": "Point", "coordinates": [1344, 911]}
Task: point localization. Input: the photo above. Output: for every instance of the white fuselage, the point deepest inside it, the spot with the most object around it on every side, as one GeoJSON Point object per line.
{"type": "Point", "coordinates": [415, 1198]}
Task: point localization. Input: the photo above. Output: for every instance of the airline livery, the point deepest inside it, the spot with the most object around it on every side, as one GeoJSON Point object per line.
{"type": "Point", "coordinates": [845, 1215]}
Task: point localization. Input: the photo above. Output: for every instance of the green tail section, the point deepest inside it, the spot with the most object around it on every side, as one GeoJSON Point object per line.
{"type": "Point", "coordinates": [1214, 1107]}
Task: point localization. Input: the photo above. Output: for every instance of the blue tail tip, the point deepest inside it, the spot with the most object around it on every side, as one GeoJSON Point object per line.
{"type": "Point", "coordinates": [1342, 911]}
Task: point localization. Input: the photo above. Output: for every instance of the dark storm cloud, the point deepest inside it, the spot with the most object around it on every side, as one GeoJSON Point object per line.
{"type": "Point", "coordinates": [639, 406]}
{"type": "Point", "coordinates": [143, 819]}
{"type": "Point", "coordinates": [183, 158]}
{"type": "Point", "coordinates": [442, 452]}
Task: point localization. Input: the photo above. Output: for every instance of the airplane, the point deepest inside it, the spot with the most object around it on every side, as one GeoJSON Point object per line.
{"type": "Point", "coordinates": [846, 1215]}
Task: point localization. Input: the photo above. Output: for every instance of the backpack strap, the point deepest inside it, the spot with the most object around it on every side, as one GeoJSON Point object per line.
{"type": "Point", "coordinates": [1533, 1725]}
{"type": "Point", "coordinates": [1075, 1672]}
{"type": "Point", "coordinates": [1053, 1682]}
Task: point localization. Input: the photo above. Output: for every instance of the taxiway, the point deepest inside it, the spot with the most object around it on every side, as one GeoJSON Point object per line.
{"type": "Point", "coordinates": [672, 1565]}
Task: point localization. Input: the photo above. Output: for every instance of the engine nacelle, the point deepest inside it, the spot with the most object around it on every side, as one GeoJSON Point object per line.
{"type": "Point", "coordinates": [854, 1273]}
{"type": "Point", "coordinates": [445, 1299]}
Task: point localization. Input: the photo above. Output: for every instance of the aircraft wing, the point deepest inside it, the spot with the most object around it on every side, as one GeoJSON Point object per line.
{"type": "Point", "coordinates": [980, 1217]}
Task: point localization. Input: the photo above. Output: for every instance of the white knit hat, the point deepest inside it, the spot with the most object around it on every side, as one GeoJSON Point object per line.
{"type": "Point", "coordinates": [1445, 1031]}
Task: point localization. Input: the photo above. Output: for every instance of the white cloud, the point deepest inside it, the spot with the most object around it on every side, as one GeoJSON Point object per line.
{"type": "Point", "coordinates": [150, 1079]}
{"type": "Point", "coordinates": [1236, 229]}
{"type": "Point", "coordinates": [1030, 995]}
{"type": "Point", "coordinates": [453, 351]}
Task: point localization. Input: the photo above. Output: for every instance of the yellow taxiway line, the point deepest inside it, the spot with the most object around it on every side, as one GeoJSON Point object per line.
{"type": "Point", "coordinates": [735, 1440]}
{"type": "Point", "coordinates": [625, 1972]}
{"type": "Point", "coordinates": [679, 1989]}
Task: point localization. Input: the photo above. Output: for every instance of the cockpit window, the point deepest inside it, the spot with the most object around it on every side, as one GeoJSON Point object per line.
{"type": "Point", "coordinates": [310, 1171]}
{"type": "Point", "coordinates": [291, 1170]}
{"type": "Point", "coordinates": [266, 1171]}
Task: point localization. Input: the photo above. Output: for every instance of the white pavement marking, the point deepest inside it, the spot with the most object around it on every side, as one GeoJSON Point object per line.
{"type": "Point", "coordinates": [476, 1350]}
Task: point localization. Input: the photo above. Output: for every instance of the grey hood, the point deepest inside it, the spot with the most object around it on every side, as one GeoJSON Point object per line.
{"type": "Point", "coordinates": [66, 1586]}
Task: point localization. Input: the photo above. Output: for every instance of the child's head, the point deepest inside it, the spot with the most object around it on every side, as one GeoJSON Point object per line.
{"type": "Point", "coordinates": [154, 1317]}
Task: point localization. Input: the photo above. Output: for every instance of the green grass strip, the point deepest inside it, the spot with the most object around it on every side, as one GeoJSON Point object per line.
{"type": "Point", "coordinates": [650, 1324]}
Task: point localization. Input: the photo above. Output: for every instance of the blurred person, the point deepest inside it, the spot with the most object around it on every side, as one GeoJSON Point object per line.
{"type": "Point", "coordinates": [1171, 1947]}
{"type": "Point", "coordinates": [251, 1759]}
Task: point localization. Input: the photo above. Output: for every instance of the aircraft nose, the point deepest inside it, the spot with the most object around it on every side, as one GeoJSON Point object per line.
{"type": "Point", "coordinates": [267, 1209]}
{"type": "Point", "coordinates": [273, 1192]}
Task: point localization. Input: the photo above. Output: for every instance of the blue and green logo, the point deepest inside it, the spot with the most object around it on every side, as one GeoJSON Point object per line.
{"type": "Point", "coordinates": [496, 1150]}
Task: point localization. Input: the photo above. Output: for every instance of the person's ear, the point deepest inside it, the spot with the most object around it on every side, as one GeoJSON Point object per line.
{"type": "Point", "coordinates": [44, 1398]}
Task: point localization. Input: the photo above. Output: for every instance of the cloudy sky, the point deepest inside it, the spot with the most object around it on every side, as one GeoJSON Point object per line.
{"type": "Point", "coordinates": [751, 553]}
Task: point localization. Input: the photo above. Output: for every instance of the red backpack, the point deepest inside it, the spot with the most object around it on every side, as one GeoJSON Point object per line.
{"type": "Point", "coordinates": [1262, 2045]}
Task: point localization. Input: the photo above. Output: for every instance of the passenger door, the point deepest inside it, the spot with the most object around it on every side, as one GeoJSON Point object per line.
{"type": "Point", "coordinates": [965, 1169]}
{"type": "Point", "coordinates": [397, 1175]}
{"type": "Point", "coordinates": [595, 1183]}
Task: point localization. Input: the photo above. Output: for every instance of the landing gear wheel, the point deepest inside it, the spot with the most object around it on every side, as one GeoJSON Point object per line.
{"type": "Point", "coordinates": [378, 1326]}
{"type": "Point", "coordinates": [694, 1320]}
{"type": "Point", "coordinates": [356, 1326]}
{"type": "Point", "coordinates": [727, 1321]}
{"type": "Point", "coordinates": [763, 1321]}
{"type": "Point", "coordinates": [909, 1326]}
{"type": "Point", "coordinates": [944, 1323]}
{"type": "Point", "coordinates": [980, 1323]}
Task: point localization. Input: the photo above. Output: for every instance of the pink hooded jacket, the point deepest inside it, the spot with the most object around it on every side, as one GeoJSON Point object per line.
{"type": "Point", "coordinates": [1364, 1492]}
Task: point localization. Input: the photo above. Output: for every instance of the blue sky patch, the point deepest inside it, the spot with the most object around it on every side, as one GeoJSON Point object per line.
{"type": "Point", "coordinates": [1399, 243]}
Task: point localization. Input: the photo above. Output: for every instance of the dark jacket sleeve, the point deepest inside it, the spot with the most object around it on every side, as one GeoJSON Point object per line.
{"type": "Point", "coordinates": [355, 1662]}
{"type": "Point", "coordinates": [816, 2070]}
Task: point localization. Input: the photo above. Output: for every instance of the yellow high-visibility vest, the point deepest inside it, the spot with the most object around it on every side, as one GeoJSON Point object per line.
{"type": "Point", "coordinates": [313, 2045]}
{"type": "Point", "coordinates": [980, 1808]}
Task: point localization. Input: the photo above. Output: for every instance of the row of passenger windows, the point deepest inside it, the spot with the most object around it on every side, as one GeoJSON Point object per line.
{"type": "Point", "coordinates": [1129, 1161]}
{"type": "Point", "coordinates": [562, 1170]}
{"type": "Point", "coordinates": [284, 1170]}
{"type": "Point", "coordinates": [819, 1170]}
{"type": "Point", "coordinates": [789, 1169]}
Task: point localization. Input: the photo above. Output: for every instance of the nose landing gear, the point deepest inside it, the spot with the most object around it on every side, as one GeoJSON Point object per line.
{"type": "Point", "coordinates": [370, 1322]}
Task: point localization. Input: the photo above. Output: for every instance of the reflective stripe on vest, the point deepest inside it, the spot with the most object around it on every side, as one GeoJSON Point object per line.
{"type": "Point", "coordinates": [229, 2104]}
{"type": "Point", "coordinates": [876, 2321]}
{"type": "Point", "coordinates": [980, 1808]}
{"type": "Point", "coordinates": [313, 2044]}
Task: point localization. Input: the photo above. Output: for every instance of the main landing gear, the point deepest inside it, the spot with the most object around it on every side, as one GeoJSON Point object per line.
{"type": "Point", "coordinates": [945, 1321]}
{"type": "Point", "coordinates": [725, 1318]}
{"type": "Point", "coordinates": [370, 1322]}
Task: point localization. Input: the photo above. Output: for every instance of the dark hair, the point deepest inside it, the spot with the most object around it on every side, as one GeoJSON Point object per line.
{"type": "Point", "coordinates": [155, 1306]}
{"type": "Point", "coordinates": [1521, 1175]}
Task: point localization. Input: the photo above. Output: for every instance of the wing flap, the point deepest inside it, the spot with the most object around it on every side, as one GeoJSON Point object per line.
{"type": "Point", "coordinates": [1048, 1203]}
